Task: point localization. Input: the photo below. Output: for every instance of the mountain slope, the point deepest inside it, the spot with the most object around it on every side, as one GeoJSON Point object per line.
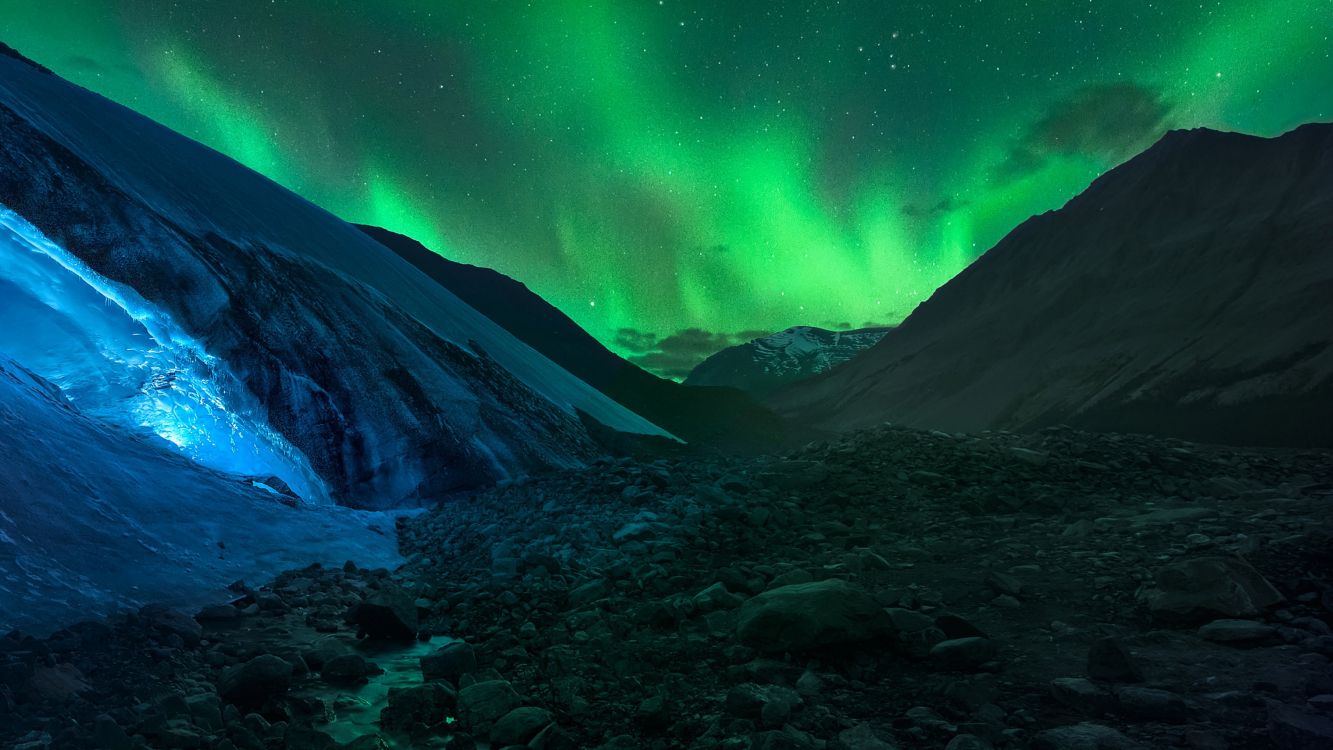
{"type": "Point", "coordinates": [95, 519]}
{"type": "Point", "coordinates": [719, 416]}
{"type": "Point", "coordinates": [764, 365]}
{"type": "Point", "coordinates": [1185, 293]}
{"type": "Point", "coordinates": [388, 387]}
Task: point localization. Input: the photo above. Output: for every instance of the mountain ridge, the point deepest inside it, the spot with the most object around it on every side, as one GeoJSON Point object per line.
{"type": "Point", "coordinates": [1201, 258]}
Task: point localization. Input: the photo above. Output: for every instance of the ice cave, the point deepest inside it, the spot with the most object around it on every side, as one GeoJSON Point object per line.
{"type": "Point", "coordinates": [123, 361]}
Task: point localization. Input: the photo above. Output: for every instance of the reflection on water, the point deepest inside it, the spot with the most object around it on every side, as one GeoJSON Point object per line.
{"type": "Point", "coordinates": [356, 709]}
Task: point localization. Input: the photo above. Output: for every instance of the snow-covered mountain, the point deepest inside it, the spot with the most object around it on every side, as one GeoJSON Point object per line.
{"type": "Point", "coordinates": [1188, 292]}
{"type": "Point", "coordinates": [768, 363]}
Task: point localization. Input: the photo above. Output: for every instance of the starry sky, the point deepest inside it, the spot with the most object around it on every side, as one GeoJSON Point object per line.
{"type": "Point", "coordinates": [678, 175]}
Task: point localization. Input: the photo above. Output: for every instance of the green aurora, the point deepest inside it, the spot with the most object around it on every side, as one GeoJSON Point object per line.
{"type": "Point", "coordinates": [723, 166]}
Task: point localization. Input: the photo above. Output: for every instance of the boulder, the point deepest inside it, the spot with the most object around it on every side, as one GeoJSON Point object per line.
{"type": "Point", "coordinates": [251, 684]}
{"type": "Point", "coordinates": [1205, 588]}
{"type": "Point", "coordinates": [967, 654]}
{"type": "Point", "coordinates": [1109, 660]}
{"type": "Point", "coordinates": [1293, 729]}
{"type": "Point", "coordinates": [810, 615]}
{"type": "Point", "coordinates": [519, 726]}
{"type": "Point", "coordinates": [449, 662]}
{"type": "Point", "coordinates": [1239, 632]}
{"type": "Point", "coordinates": [388, 614]}
{"type": "Point", "coordinates": [418, 709]}
{"type": "Point", "coordinates": [481, 705]}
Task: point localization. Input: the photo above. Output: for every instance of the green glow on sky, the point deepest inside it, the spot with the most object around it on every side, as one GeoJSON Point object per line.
{"type": "Point", "coordinates": [726, 166]}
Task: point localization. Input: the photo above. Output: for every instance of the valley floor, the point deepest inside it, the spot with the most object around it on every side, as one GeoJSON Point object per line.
{"type": "Point", "coordinates": [894, 588]}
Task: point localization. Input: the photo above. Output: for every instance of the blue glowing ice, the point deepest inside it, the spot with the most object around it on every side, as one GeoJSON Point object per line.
{"type": "Point", "coordinates": [121, 360]}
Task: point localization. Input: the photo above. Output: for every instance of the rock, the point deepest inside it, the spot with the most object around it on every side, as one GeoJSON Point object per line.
{"type": "Point", "coordinates": [1109, 660]}
{"type": "Point", "coordinates": [348, 669]}
{"type": "Point", "coordinates": [388, 614]}
{"type": "Point", "coordinates": [789, 738]}
{"type": "Point", "coordinates": [771, 704]}
{"type": "Point", "coordinates": [519, 726]}
{"type": "Point", "coordinates": [1003, 583]}
{"type": "Point", "coordinates": [1293, 729]}
{"type": "Point", "coordinates": [1085, 736]}
{"type": "Point", "coordinates": [1209, 587]}
{"type": "Point", "coordinates": [418, 709]}
{"type": "Point", "coordinates": [449, 662]}
{"type": "Point", "coordinates": [251, 684]}
{"type": "Point", "coordinates": [968, 742]}
{"type": "Point", "coordinates": [219, 613]}
{"type": "Point", "coordinates": [1081, 695]}
{"type": "Point", "coordinates": [60, 683]}
{"type": "Point", "coordinates": [108, 735]}
{"type": "Point", "coordinates": [716, 597]}
{"type": "Point", "coordinates": [585, 594]}
{"type": "Point", "coordinates": [967, 654]}
{"type": "Point", "coordinates": [1150, 704]}
{"type": "Point", "coordinates": [169, 621]}
{"type": "Point", "coordinates": [860, 737]}
{"type": "Point", "coordinates": [794, 474]}
{"type": "Point", "coordinates": [1237, 631]}
{"type": "Point", "coordinates": [653, 714]}
{"type": "Point", "coordinates": [810, 615]}
{"type": "Point", "coordinates": [633, 531]}
{"type": "Point", "coordinates": [481, 705]}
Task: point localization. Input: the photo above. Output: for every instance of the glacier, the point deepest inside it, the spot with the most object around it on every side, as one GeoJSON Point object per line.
{"type": "Point", "coordinates": [393, 390]}
{"type": "Point", "coordinates": [119, 358]}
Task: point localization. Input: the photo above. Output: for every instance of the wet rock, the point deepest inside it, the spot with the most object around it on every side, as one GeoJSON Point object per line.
{"type": "Point", "coordinates": [519, 726]}
{"type": "Point", "coordinates": [810, 615]}
{"type": "Point", "coordinates": [420, 709]}
{"type": "Point", "coordinates": [1209, 587]}
{"type": "Point", "coordinates": [481, 705]}
{"type": "Point", "coordinates": [1085, 736]}
{"type": "Point", "coordinates": [251, 684]}
{"type": "Point", "coordinates": [388, 614]}
{"type": "Point", "coordinates": [1109, 660]}
{"type": "Point", "coordinates": [449, 662]}
{"type": "Point", "coordinates": [348, 669]}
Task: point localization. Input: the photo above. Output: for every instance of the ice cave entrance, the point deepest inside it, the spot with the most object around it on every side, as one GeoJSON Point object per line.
{"type": "Point", "coordinates": [122, 361]}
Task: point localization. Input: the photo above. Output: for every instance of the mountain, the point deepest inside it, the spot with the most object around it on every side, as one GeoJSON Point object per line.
{"type": "Point", "coordinates": [347, 371]}
{"type": "Point", "coordinates": [768, 363]}
{"type": "Point", "coordinates": [200, 371]}
{"type": "Point", "coordinates": [1185, 293]}
{"type": "Point", "coordinates": [714, 416]}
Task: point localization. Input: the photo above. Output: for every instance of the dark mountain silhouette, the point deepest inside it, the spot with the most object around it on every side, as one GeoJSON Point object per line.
{"type": "Point", "coordinates": [1188, 293]}
{"type": "Point", "coordinates": [723, 417]}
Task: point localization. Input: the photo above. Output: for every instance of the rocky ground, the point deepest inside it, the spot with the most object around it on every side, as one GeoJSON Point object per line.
{"type": "Point", "coordinates": [893, 589]}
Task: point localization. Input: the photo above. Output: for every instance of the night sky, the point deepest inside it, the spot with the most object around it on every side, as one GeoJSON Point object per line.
{"type": "Point", "coordinates": [675, 175]}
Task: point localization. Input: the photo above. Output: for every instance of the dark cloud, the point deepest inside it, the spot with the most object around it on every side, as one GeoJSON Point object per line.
{"type": "Point", "coordinates": [676, 355]}
{"type": "Point", "coordinates": [1109, 122]}
{"type": "Point", "coordinates": [634, 340]}
{"type": "Point", "coordinates": [944, 206]}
